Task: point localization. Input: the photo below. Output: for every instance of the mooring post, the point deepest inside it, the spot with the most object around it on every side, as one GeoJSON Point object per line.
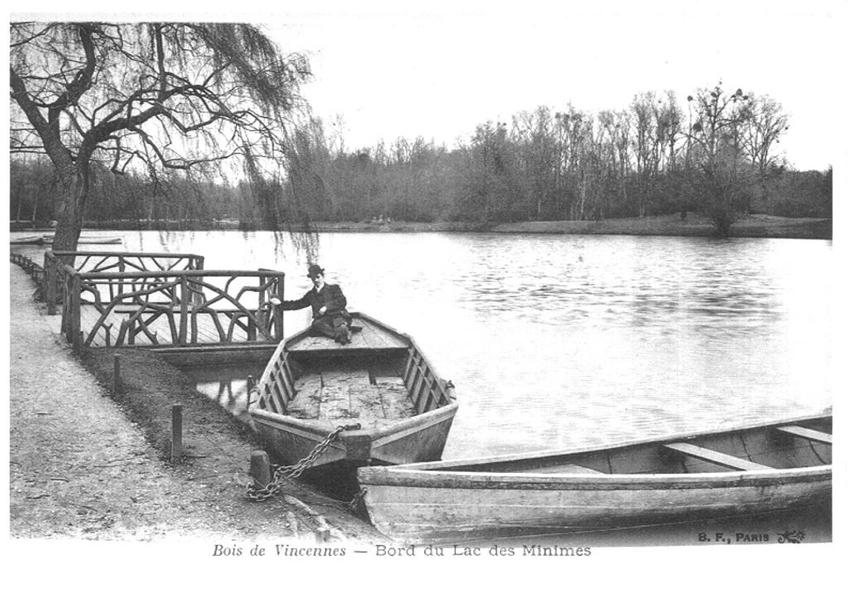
{"type": "Point", "coordinates": [116, 376]}
{"type": "Point", "coordinates": [260, 468]}
{"type": "Point", "coordinates": [176, 432]}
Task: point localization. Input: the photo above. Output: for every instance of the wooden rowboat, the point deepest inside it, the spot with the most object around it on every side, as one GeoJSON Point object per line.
{"type": "Point", "coordinates": [380, 382]}
{"type": "Point", "coordinates": [768, 467]}
{"type": "Point", "coordinates": [43, 240]}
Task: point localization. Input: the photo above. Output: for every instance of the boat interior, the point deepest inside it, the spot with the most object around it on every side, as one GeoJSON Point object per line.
{"type": "Point", "coordinates": [781, 446]}
{"type": "Point", "coordinates": [373, 388]}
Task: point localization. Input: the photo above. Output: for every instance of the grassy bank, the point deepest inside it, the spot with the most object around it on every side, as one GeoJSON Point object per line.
{"type": "Point", "coordinates": [672, 225]}
{"type": "Point", "coordinates": [692, 225]}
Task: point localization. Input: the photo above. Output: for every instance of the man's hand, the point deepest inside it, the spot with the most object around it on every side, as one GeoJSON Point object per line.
{"type": "Point", "coordinates": [322, 310]}
{"type": "Point", "coordinates": [275, 301]}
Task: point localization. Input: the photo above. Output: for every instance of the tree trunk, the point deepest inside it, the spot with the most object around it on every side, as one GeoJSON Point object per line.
{"type": "Point", "coordinates": [765, 196]}
{"type": "Point", "coordinates": [74, 183]}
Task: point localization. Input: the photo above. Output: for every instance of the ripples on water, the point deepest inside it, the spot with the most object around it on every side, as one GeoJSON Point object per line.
{"type": "Point", "coordinates": [560, 341]}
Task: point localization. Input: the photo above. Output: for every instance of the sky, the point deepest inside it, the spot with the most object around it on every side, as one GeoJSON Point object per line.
{"type": "Point", "coordinates": [433, 71]}
{"type": "Point", "coordinates": [387, 69]}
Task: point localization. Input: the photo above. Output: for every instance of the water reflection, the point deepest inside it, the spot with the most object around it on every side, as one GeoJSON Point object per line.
{"type": "Point", "coordinates": [227, 385]}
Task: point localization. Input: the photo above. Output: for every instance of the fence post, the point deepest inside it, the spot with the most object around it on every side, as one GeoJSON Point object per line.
{"type": "Point", "coordinates": [50, 282]}
{"type": "Point", "coordinates": [197, 292]}
{"type": "Point", "coordinates": [121, 268]}
{"type": "Point", "coordinates": [184, 309]}
{"type": "Point", "coordinates": [76, 333]}
{"type": "Point", "coordinates": [278, 309]}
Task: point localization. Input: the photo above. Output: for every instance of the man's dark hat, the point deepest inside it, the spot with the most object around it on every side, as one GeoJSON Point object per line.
{"type": "Point", "coordinates": [315, 270]}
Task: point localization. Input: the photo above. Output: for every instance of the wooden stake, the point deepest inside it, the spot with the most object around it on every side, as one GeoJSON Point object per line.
{"type": "Point", "coordinates": [322, 534]}
{"type": "Point", "coordinates": [293, 523]}
{"type": "Point", "coordinates": [116, 376]}
{"type": "Point", "coordinates": [324, 530]}
{"type": "Point", "coordinates": [260, 468]}
{"type": "Point", "coordinates": [176, 432]}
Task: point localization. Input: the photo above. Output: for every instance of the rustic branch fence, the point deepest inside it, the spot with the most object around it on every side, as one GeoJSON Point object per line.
{"type": "Point", "coordinates": [108, 262]}
{"type": "Point", "coordinates": [157, 299]}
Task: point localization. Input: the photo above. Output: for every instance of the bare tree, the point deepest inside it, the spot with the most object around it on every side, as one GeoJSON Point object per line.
{"type": "Point", "coordinates": [766, 123]}
{"type": "Point", "coordinates": [149, 96]}
{"type": "Point", "coordinates": [720, 177]}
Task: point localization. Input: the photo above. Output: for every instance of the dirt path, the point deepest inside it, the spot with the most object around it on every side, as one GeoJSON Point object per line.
{"type": "Point", "coordinates": [81, 468]}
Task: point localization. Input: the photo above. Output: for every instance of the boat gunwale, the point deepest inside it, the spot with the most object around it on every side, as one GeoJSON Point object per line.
{"type": "Point", "coordinates": [561, 453]}
{"type": "Point", "coordinates": [390, 476]}
{"type": "Point", "coordinates": [437, 415]}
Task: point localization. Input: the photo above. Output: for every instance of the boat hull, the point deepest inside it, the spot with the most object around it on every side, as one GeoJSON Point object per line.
{"type": "Point", "coordinates": [420, 506]}
{"type": "Point", "coordinates": [766, 467]}
{"type": "Point", "coordinates": [419, 438]}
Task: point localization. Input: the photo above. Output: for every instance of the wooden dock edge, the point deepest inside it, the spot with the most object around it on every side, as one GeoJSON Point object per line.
{"type": "Point", "coordinates": [213, 355]}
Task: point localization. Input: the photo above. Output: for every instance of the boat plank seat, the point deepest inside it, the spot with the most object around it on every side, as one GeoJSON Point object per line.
{"type": "Point", "coordinates": [712, 456]}
{"type": "Point", "coordinates": [805, 433]}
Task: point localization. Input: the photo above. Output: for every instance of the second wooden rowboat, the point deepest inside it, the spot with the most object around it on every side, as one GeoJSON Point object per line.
{"type": "Point", "coordinates": [767, 467]}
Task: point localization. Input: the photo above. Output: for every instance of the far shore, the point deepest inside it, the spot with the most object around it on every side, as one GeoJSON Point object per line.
{"type": "Point", "coordinates": [673, 225]}
{"type": "Point", "coordinates": [692, 225]}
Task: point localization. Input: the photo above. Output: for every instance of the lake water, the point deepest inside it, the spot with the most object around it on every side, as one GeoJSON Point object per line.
{"type": "Point", "coordinates": [556, 341]}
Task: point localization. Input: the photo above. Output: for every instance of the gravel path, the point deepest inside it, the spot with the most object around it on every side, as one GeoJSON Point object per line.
{"type": "Point", "coordinates": [79, 467]}
{"type": "Point", "coordinates": [62, 461]}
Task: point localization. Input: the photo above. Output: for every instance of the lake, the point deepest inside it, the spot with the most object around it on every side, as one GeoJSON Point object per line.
{"type": "Point", "coordinates": [557, 341]}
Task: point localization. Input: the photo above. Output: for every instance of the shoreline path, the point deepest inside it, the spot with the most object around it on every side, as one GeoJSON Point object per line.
{"type": "Point", "coordinates": [80, 468]}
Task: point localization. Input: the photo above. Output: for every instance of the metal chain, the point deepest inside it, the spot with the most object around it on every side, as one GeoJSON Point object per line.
{"type": "Point", "coordinates": [282, 473]}
{"type": "Point", "coordinates": [355, 502]}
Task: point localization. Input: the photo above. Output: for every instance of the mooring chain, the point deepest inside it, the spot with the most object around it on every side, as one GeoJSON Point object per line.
{"type": "Point", "coordinates": [282, 473]}
{"type": "Point", "coordinates": [354, 504]}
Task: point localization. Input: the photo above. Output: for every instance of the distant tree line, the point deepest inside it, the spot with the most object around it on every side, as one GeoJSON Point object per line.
{"type": "Point", "coordinates": [715, 154]}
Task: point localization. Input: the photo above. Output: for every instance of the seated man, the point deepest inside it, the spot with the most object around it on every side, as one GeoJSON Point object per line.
{"type": "Point", "coordinates": [328, 303]}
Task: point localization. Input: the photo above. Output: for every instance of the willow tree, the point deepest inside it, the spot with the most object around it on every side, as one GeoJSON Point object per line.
{"type": "Point", "coordinates": [149, 97]}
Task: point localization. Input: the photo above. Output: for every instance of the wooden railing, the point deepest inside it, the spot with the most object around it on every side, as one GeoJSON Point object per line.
{"type": "Point", "coordinates": [171, 308]}
{"type": "Point", "coordinates": [108, 262]}
{"type": "Point", "coordinates": [157, 299]}
{"type": "Point", "coordinates": [34, 270]}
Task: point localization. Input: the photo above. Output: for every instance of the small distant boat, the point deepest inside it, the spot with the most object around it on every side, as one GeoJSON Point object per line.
{"type": "Point", "coordinates": [767, 467]}
{"type": "Point", "coordinates": [380, 383]}
{"type": "Point", "coordinates": [99, 240]}
{"type": "Point", "coordinates": [33, 239]}
{"type": "Point", "coordinates": [43, 240]}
